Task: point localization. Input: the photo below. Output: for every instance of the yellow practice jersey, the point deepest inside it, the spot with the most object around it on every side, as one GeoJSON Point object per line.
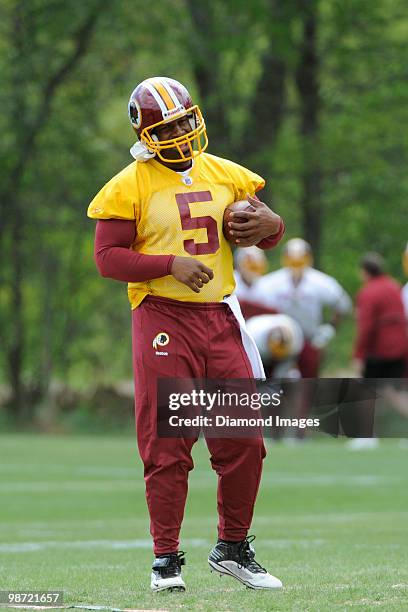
{"type": "Point", "coordinates": [178, 215]}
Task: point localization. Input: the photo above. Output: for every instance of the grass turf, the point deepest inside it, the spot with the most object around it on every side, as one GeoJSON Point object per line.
{"type": "Point", "coordinates": [330, 522]}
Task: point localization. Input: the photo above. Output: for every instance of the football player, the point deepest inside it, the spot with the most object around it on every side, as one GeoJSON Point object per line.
{"type": "Point", "coordinates": [250, 265]}
{"type": "Point", "coordinates": [159, 228]}
{"type": "Point", "coordinates": [279, 339]}
{"type": "Point", "coordinates": [405, 288]}
{"type": "Point", "coordinates": [302, 292]}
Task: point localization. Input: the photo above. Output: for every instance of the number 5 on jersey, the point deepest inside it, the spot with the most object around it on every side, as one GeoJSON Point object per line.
{"type": "Point", "coordinates": [190, 223]}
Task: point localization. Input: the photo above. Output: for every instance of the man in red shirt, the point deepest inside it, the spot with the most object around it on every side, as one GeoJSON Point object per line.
{"type": "Point", "coordinates": [381, 344]}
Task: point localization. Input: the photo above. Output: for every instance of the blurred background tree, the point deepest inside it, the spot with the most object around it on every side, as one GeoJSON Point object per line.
{"type": "Point", "coordinates": [310, 93]}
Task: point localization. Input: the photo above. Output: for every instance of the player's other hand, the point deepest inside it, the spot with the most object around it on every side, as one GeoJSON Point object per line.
{"type": "Point", "coordinates": [260, 224]}
{"type": "Point", "coordinates": [191, 272]}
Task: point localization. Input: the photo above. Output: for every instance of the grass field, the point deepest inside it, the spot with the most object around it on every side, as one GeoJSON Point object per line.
{"type": "Point", "coordinates": [330, 522]}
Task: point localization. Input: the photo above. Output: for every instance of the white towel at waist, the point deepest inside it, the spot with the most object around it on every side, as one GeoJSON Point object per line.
{"type": "Point", "coordinates": [248, 342]}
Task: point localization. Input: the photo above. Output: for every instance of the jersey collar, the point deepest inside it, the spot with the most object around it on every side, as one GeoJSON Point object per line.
{"type": "Point", "coordinates": [177, 176]}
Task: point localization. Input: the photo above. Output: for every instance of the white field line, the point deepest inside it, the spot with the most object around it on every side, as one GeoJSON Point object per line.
{"type": "Point", "coordinates": [297, 520]}
{"type": "Point", "coordinates": [335, 517]}
{"type": "Point", "coordinates": [63, 525]}
{"type": "Point", "coordinates": [93, 470]}
{"type": "Point", "coordinates": [316, 480]}
{"type": "Point", "coordinates": [329, 480]}
{"type": "Point", "coordinates": [23, 547]}
{"type": "Point", "coordinates": [78, 607]}
{"type": "Point", "coordinates": [87, 544]}
{"type": "Point", "coordinates": [44, 486]}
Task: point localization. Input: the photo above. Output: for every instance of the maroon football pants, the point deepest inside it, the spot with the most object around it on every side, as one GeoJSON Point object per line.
{"type": "Point", "coordinates": [309, 361]}
{"type": "Point", "coordinates": [193, 340]}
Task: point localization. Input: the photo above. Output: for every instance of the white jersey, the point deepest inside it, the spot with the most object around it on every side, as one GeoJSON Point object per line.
{"type": "Point", "coordinates": [405, 299]}
{"type": "Point", "coordinates": [304, 301]}
{"type": "Point", "coordinates": [242, 290]}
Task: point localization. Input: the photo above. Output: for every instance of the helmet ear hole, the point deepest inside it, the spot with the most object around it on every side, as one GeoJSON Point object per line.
{"type": "Point", "coordinates": [135, 114]}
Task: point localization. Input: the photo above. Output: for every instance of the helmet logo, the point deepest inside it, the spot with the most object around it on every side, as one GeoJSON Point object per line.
{"type": "Point", "coordinates": [187, 180]}
{"type": "Point", "coordinates": [173, 112]}
{"type": "Point", "coordinates": [135, 114]}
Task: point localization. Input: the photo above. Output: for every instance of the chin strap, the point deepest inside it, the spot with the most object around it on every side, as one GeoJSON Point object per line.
{"type": "Point", "coordinates": [140, 152]}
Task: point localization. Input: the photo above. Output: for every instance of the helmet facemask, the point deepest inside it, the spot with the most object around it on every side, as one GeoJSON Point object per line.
{"type": "Point", "coordinates": [297, 256]}
{"type": "Point", "coordinates": [251, 263]}
{"type": "Point", "coordinates": [297, 263]}
{"type": "Point", "coordinates": [196, 141]}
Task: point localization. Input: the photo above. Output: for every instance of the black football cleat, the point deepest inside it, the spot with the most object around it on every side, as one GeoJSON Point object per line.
{"type": "Point", "coordinates": [166, 573]}
{"type": "Point", "coordinates": [237, 560]}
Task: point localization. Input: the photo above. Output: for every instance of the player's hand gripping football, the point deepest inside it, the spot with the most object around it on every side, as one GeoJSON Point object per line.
{"type": "Point", "coordinates": [191, 272]}
{"type": "Point", "coordinates": [260, 224]}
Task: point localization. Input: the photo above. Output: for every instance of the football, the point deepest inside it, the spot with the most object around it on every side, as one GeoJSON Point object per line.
{"type": "Point", "coordinates": [241, 205]}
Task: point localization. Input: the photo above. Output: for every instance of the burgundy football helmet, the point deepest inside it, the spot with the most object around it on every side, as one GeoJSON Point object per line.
{"type": "Point", "coordinates": [160, 100]}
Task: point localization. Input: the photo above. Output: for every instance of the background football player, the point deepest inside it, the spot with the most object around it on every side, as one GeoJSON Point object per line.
{"type": "Point", "coordinates": [302, 292]}
{"type": "Point", "coordinates": [159, 228]}
{"type": "Point", "coordinates": [250, 265]}
{"type": "Point", "coordinates": [405, 288]}
{"type": "Point", "coordinates": [280, 341]}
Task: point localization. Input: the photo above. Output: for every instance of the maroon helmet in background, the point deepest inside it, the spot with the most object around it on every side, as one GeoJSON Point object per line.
{"type": "Point", "coordinates": [159, 100]}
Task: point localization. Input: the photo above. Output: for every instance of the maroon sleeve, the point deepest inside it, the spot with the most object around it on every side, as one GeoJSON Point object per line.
{"type": "Point", "coordinates": [365, 324]}
{"type": "Point", "coordinates": [271, 241]}
{"type": "Point", "coordinates": [114, 258]}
